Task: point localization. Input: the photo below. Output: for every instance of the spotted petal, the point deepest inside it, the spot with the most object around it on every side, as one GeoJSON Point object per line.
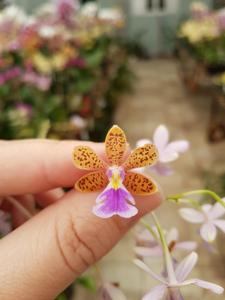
{"type": "Point", "coordinates": [86, 159]}
{"type": "Point", "coordinates": [138, 184]}
{"type": "Point", "coordinates": [141, 157]}
{"type": "Point", "coordinates": [92, 182]}
{"type": "Point", "coordinates": [115, 145]}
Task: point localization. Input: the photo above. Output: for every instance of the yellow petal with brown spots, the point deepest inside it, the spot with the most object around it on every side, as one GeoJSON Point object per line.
{"type": "Point", "coordinates": [142, 157]}
{"type": "Point", "coordinates": [138, 184]}
{"type": "Point", "coordinates": [115, 145]}
{"type": "Point", "coordinates": [92, 182]}
{"type": "Point", "coordinates": [86, 159]}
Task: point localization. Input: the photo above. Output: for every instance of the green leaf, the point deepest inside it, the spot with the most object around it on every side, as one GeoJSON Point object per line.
{"type": "Point", "coordinates": [95, 58]}
{"type": "Point", "coordinates": [87, 282]}
{"type": "Point", "coordinates": [61, 297]}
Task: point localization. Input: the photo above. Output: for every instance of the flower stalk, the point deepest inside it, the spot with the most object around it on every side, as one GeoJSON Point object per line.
{"type": "Point", "coordinates": [179, 197]}
{"type": "Point", "coordinates": [166, 252]}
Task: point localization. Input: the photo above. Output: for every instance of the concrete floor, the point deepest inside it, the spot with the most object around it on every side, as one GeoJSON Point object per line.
{"type": "Point", "coordinates": [160, 98]}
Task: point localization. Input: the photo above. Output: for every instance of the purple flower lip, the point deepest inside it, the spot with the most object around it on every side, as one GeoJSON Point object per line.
{"type": "Point", "coordinates": [114, 202]}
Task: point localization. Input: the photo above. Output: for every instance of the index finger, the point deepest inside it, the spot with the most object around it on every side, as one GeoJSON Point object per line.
{"type": "Point", "coordinates": [32, 166]}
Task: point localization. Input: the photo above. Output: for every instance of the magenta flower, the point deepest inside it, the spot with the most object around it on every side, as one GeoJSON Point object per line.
{"type": "Point", "coordinates": [5, 226]}
{"type": "Point", "coordinates": [148, 246]}
{"type": "Point", "coordinates": [168, 151]}
{"type": "Point", "coordinates": [9, 74]}
{"type": "Point", "coordinates": [65, 10]}
{"type": "Point", "coordinates": [110, 291]}
{"type": "Point", "coordinates": [180, 274]}
{"type": "Point", "coordinates": [209, 216]}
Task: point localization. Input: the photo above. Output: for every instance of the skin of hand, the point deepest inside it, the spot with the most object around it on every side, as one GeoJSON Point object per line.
{"type": "Point", "coordinates": [44, 255]}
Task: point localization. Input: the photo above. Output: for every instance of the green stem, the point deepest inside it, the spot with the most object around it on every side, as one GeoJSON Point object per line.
{"type": "Point", "coordinates": [20, 207]}
{"type": "Point", "coordinates": [198, 192]}
{"type": "Point", "coordinates": [149, 228]}
{"type": "Point", "coordinates": [98, 272]}
{"type": "Point", "coordinates": [44, 129]}
{"type": "Point", "coordinates": [166, 252]}
{"type": "Point", "coordinates": [193, 202]}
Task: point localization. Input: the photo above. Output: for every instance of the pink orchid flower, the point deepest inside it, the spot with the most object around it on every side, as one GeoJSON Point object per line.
{"type": "Point", "coordinates": [109, 291]}
{"type": "Point", "coordinates": [148, 246]}
{"type": "Point", "coordinates": [210, 218]}
{"type": "Point", "coordinates": [180, 275]}
{"type": "Point", "coordinates": [168, 151]}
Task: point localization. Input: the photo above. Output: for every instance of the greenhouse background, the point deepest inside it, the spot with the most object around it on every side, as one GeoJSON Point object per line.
{"type": "Point", "coordinates": [71, 69]}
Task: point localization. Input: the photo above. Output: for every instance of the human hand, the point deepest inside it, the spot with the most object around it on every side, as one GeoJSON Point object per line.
{"type": "Point", "coordinates": [43, 256]}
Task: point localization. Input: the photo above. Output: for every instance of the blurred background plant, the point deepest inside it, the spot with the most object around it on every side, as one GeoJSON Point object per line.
{"type": "Point", "coordinates": [66, 66]}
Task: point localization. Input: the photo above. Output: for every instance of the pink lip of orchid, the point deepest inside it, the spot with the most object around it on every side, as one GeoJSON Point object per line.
{"type": "Point", "coordinates": [210, 218]}
{"type": "Point", "coordinates": [168, 151]}
{"type": "Point", "coordinates": [147, 246]}
{"type": "Point", "coordinates": [181, 272]}
{"type": "Point", "coordinates": [115, 175]}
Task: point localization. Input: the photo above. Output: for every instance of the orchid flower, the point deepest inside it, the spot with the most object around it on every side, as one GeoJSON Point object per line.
{"type": "Point", "coordinates": [179, 279]}
{"type": "Point", "coordinates": [148, 246]}
{"type": "Point", "coordinates": [5, 226]}
{"type": "Point", "coordinates": [209, 216]}
{"type": "Point", "coordinates": [110, 291]}
{"type": "Point", "coordinates": [114, 175]}
{"type": "Point", "coordinates": [168, 151]}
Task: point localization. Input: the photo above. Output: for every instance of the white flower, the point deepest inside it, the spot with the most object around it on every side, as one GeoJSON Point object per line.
{"type": "Point", "coordinates": [168, 151]}
{"type": "Point", "coordinates": [78, 121]}
{"type": "Point", "coordinates": [89, 9]}
{"type": "Point", "coordinates": [111, 14]}
{"type": "Point", "coordinates": [47, 31]}
{"type": "Point", "coordinates": [210, 218]}
{"type": "Point", "coordinates": [148, 246]}
{"type": "Point", "coordinates": [181, 273]}
{"type": "Point", "coordinates": [13, 13]}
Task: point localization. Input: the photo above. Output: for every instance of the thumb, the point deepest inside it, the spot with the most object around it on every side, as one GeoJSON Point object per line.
{"type": "Point", "coordinates": [43, 256]}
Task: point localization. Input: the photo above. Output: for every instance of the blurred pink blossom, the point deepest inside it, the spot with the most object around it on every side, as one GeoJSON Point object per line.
{"type": "Point", "coordinates": [209, 216]}
{"type": "Point", "coordinates": [180, 273]}
{"type": "Point", "coordinates": [24, 109]}
{"type": "Point", "coordinates": [65, 10]}
{"type": "Point", "coordinates": [40, 81]}
{"type": "Point", "coordinates": [168, 151]}
{"type": "Point", "coordinates": [9, 74]}
{"type": "Point", "coordinates": [148, 246]}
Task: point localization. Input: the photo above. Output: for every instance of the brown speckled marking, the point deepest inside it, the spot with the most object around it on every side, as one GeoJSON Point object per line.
{"type": "Point", "coordinates": [138, 184]}
{"type": "Point", "coordinates": [86, 159]}
{"type": "Point", "coordinates": [142, 157]}
{"type": "Point", "coordinates": [115, 145]}
{"type": "Point", "coordinates": [92, 182]}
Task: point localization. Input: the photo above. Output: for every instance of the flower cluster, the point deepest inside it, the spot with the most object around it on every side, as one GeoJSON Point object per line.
{"type": "Point", "coordinates": [204, 34]}
{"type": "Point", "coordinates": [63, 61]}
